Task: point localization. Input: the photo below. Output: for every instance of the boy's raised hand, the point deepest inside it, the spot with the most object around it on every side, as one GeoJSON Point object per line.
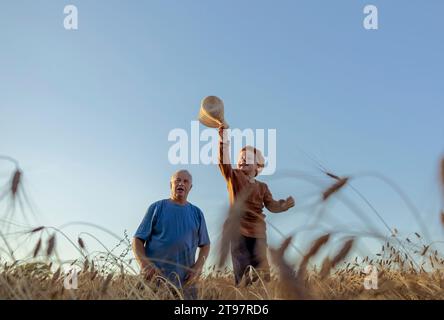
{"type": "Point", "coordinates": [221, 134]}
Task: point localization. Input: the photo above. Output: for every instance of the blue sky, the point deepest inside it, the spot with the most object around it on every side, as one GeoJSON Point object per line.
{"type": "Point", "coordinates": [87, 113]}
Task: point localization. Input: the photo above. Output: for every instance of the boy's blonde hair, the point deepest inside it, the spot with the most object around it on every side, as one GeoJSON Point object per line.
{"type": "Point", "coordinates": [258, 157]}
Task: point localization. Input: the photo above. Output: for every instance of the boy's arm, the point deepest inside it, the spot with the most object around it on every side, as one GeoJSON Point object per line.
{"type": "Point", "coordinates": [276, 206]}
{"type": "Point", "coordinates": [224, 155]}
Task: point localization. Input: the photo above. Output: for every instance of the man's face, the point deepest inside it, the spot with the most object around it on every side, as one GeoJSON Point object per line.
{"type": "Point", "coordinates": [246, 162]}
{"type": "Point", "coordinates": [181, 185]}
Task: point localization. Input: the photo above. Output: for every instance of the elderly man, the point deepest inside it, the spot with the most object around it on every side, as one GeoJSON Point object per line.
{"type": "Point", "coordinates": [167, 239]}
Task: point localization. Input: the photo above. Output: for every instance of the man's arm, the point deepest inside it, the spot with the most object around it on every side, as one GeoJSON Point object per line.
{"type": "Point", "coordinates": [141, 236]}
{"type": "Point", "coordinates": [146, 266]}
{"type": "Point", "coordinates": [204, 251]}
{"type": "Point", "coordinates": [224, 154]}
{"type": "Point", "coordinates": [196, 270]}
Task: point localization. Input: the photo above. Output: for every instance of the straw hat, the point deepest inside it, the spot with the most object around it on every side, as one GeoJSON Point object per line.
{"type": "Point", "coordinates": [211, 112]}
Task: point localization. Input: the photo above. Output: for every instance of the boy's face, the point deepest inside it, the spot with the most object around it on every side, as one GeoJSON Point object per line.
{"type": "Point", "coordinates": [246, 162]}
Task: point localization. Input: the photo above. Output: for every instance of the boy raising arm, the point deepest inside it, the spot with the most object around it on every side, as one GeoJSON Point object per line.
{"type": "Point", "coordinates": [251, 247]}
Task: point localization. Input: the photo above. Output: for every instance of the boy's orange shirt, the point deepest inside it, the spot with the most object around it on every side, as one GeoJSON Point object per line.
{"type": "Point", "coordinates": [252, 223]}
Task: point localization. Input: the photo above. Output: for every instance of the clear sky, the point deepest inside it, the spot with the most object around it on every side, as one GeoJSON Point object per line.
{"type": "Point", "coordinates": [87, 113]}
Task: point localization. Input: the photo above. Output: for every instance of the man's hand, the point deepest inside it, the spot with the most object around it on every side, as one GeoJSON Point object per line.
{"type": "Point", "coordinates": [196, 269]}
{"type": "Point", "coordinates": [193, 274]}
{"type": "Point", "coordinates": [146, 266]}
{"type": "Point", "coordinates": [148, 270]}
{"type": "Point", "coordinates": [288, 203]}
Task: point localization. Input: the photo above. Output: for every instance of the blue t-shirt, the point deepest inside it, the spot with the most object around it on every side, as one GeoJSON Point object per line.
{"type": "Point", "coordinates": [172, 233]}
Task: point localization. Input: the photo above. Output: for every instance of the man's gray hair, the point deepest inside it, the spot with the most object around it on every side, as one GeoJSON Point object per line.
{"type": "Point", "coordinates": [181, 171]}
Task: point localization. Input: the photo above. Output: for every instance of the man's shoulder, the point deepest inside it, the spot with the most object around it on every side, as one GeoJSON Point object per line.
{"type": "Point", "coordinates": [157, 204]}
{"type": "Point", "coordinates": [195, 208]}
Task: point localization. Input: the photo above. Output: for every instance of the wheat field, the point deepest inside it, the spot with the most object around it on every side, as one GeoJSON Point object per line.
{"type": "Point", "coordinates": [405, 269]}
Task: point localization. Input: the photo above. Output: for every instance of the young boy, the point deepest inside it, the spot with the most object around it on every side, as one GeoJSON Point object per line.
{"type": "Point", "coordinates": [251, 247]}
